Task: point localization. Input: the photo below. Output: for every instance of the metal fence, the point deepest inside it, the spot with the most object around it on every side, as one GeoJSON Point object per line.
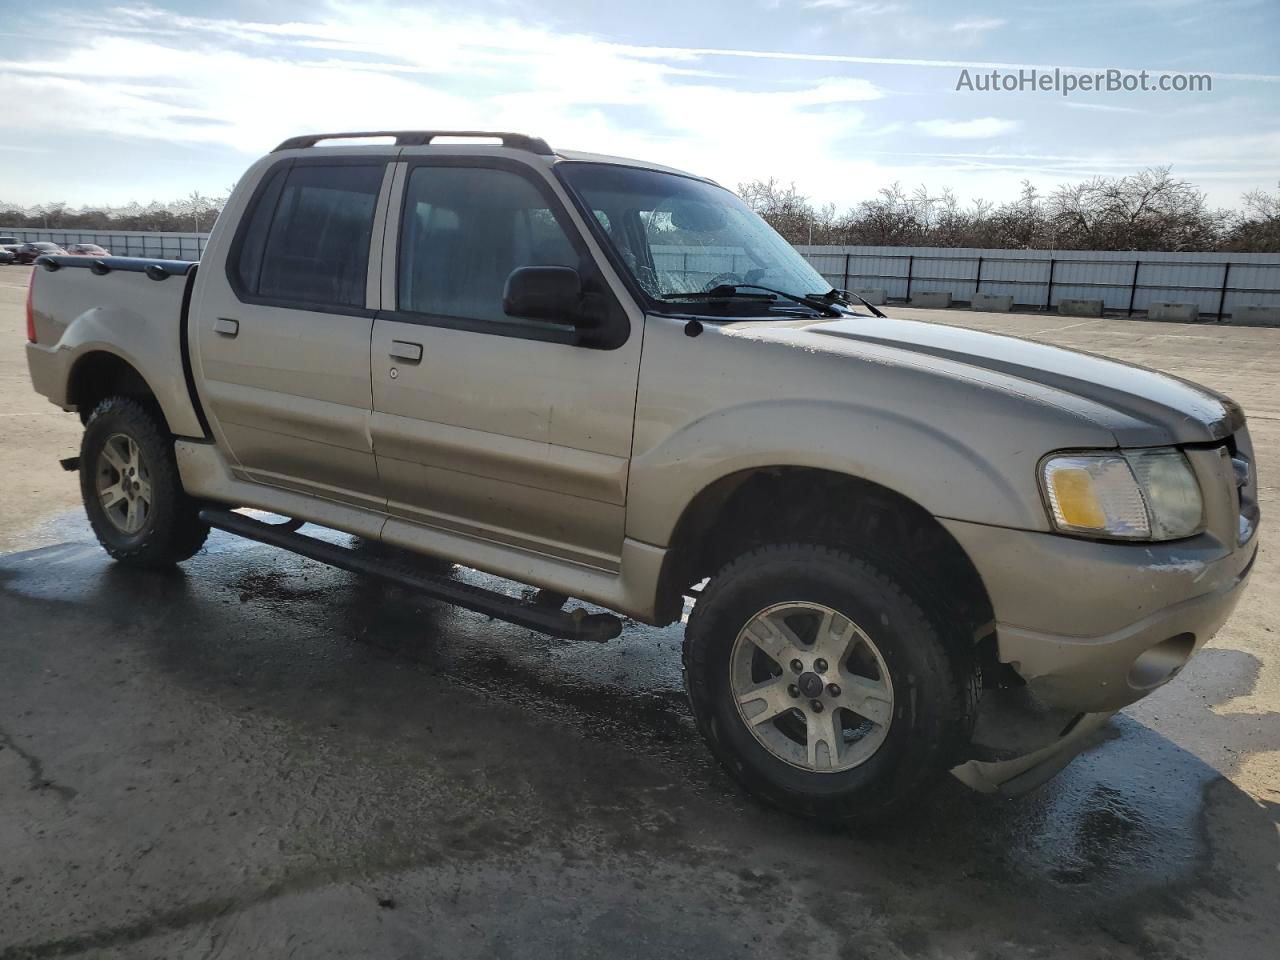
{"type": "Point", "coordinates": [1125, 282]}
{"type": "Point", "coordinates": [122, 243]}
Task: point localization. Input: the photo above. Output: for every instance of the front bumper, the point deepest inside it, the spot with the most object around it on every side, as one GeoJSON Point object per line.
{"type": "Point", "coordinates": [1095, 626]}
{"type": "Point", "coordinates": [1091, 627]}
{"type": "Point", "coordinates": [1024, 770]}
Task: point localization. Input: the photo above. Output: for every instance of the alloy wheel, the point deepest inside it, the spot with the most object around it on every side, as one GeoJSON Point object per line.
{"type": "Point", "coordinates": [124, 483]}
{"type": "Point", "coordinates": [811, 686]}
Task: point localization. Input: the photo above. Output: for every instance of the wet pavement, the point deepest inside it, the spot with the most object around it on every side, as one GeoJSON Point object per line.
{"type": "Point", "coordinates": [259, 755]}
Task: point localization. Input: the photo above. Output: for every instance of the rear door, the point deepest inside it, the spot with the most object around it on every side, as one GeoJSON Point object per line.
{"type": "Point", "coordinates": [485, 424]}
{"type": "Point", "coordinates": [282, 326]}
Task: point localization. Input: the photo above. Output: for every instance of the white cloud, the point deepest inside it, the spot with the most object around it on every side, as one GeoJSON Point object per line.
{"type": "Point", "coordinates": [688, 53]}
{"type": "Point", "coordinates": [199, 80]}
{"type": "Point", "coordinates": [855, 7]}
{"type": "Point", "coordinates": [208, 80]}
{"type": "Point", "coordinates": [144, 75]}
{"type": "Point", "coordinates": [978, 26]}
{"type": "Point", "coordinates": [979, 129]}
{"type": "Point", "coordinates": [1102, 107]}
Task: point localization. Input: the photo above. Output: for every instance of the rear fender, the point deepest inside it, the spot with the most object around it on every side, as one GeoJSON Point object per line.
{"type": "Point", "coordinates": [152, 347]}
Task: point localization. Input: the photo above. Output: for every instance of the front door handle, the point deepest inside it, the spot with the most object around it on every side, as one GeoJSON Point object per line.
{"type": "Point", "coordinates": [408, 352]}
{"type": "Point", "coordinates": [228, 328]}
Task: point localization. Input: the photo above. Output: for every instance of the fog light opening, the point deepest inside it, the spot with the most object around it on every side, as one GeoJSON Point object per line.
{"type": "Point", "coordinates": [1162, 662]}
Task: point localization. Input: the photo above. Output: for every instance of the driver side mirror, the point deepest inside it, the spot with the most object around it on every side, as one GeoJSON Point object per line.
{"type": "Point", "coordinates": [544, 293]}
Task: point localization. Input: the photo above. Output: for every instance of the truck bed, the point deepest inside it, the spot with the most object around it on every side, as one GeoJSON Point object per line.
{"type": "Point", "coordinates": [132, 308]}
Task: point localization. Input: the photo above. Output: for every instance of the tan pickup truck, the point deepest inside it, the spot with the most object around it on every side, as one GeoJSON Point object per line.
{"type": "Point", "coordinates": [910, 548]}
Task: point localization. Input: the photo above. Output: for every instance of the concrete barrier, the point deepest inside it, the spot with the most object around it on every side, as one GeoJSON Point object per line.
{"type": "Point", "coordinates": [1173, 312]}
{"type": "Point", "coordinates": [1249, 315]}
{"type": "Point", "coordinates": [991, 302]}
{"type": "Point", "coordinates": [873, 295]}
{"type": "Point", "coordinates": [1078, 307]}
{"type": "Point", "coordinates": [937, 298]}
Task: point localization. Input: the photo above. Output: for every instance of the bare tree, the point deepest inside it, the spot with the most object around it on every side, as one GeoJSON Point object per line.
{"type": "Point", "coordinates": [782, 207]}
{"type": "Point", "coordinates": [1257, 227]}
{"type": "Point", "coordinates": [197, 206]}
{"type": "Point", "coordinates": [53, 214]}
{"type": "Point", "coordinates": [1149, 210]}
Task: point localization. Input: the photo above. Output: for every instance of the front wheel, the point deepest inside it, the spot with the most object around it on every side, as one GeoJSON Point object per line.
{"type": "Point", "coordinates": [131, 489]}
{"type": "Point", "coordinates": [822, 685]}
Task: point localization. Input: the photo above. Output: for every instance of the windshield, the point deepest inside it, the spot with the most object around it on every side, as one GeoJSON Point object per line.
{"type": "Point", "coordinates": [677, 235]}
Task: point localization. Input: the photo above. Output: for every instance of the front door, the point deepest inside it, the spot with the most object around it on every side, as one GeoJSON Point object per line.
{"type": "Point", "coordinates": [282, 335]}
{"type": "Point", "coordinates": [484, 424]}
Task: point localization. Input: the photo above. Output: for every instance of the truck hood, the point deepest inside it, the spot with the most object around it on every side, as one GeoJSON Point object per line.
{"type": "Point", "coordinates": [1147, 408]}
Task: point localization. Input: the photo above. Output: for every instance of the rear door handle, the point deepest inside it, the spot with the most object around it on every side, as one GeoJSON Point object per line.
{"type": "Point", "coordinates": [228, 328]}
{"type": "Point", "coordinates": [408, 352]}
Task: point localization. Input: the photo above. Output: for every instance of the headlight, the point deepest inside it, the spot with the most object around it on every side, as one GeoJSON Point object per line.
{"type": "Point", "coordinates": [1129, 495]}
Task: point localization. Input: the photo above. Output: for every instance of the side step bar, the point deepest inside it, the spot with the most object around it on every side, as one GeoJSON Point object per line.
{"type": "Point", "coordinates": [569, 625]}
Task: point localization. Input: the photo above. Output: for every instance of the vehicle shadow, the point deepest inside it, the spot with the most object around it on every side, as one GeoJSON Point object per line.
{"type": "Point", "coordinates": [385, 688]}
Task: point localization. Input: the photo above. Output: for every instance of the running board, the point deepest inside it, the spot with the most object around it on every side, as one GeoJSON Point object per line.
{"type": "Point", "coordinates": [569, 625]}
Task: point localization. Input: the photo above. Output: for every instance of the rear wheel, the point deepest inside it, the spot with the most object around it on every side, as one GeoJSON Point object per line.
{"type": "Point", "coordinates": [131, 489]}
{"type": "Point", "coordinates": [822, 685]}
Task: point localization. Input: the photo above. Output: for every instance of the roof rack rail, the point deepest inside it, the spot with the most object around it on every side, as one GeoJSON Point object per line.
{"type": "Point", "coordinates": [420, 138]}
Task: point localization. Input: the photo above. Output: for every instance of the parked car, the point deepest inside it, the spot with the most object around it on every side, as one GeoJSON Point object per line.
{"type": "Point", "coordinates": [87, 250]}
{"type": "Point", "coordinates": [9, 241]}
{"type": "Point", "coordinates": [28, 252]}
{"type": "Point", "coordinates": [909, 548]}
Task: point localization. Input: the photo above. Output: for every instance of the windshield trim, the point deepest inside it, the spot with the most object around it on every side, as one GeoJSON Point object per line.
{"type": "Point", "coordinates": [645, 300]}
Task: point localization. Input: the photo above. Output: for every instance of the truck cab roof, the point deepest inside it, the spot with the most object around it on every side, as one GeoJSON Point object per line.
{"type": "Point", "coordinates": [582, 156]}
{"type": "Point", "coordinates": [513, 141]}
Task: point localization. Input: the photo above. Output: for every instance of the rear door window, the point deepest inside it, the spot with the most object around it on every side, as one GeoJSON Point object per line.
{"type": "Point", "coordinates": [306, 241]}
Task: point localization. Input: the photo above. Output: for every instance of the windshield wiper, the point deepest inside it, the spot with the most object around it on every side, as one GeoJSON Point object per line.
{"type": "Point", "coordinates": [727, 291]}
{"type": "Point", "coordinates": [719, 293]}
{"type": "Point", "coordinates": [848, 297]}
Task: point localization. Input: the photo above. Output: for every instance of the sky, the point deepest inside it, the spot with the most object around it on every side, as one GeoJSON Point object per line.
{"type": "Point", "coordinates": [106, 104]}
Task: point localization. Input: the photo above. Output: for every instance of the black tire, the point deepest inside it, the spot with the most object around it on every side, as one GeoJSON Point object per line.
{"type": "Point", "coordinates": [934, 690]}
{"type": "Point", "coordinates": [172, 530]}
